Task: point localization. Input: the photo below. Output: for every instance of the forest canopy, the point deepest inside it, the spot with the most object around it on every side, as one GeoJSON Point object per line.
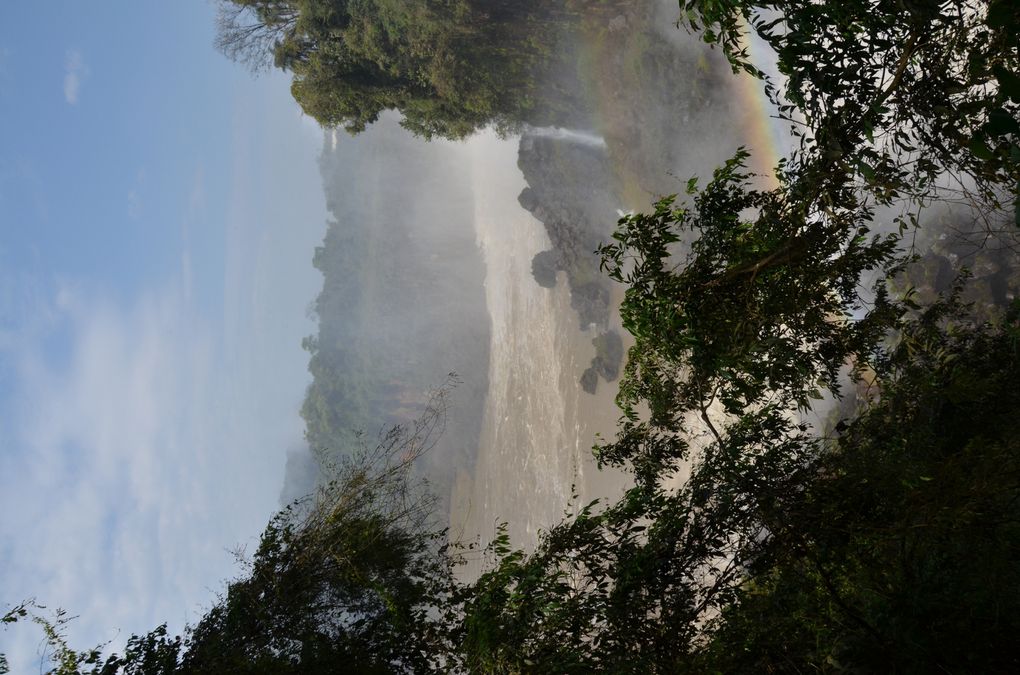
{"type": "Point", "coordinates": [450, 67]}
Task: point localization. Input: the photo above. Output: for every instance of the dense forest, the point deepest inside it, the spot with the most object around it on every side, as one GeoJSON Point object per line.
{"type": "Point", "coordinates": [402, 306]}
{"type": "Point", "coordinates": [848, 406]}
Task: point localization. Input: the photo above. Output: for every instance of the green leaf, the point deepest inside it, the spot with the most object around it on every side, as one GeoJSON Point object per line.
{"type": "Point", "coordinates": [979, 148]}
{"type": "Point", "coordinates": [1000, 13]}
{"type": "Point", "coordinates": [1009, 82]}
{"type": "Point", "coordinates": [867, 170]}
{"type": "Point", "coordinates": [1001, 123]}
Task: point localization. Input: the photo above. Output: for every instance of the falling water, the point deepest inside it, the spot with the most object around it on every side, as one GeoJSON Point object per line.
{"type": "Point", "coordinates": [524, 425]}
{"type": "Point", "coordinates": [538, 426]}
{"type": "Point", "coordinates": [569, 135]}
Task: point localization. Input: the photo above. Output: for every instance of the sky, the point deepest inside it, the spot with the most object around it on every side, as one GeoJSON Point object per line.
{"type": "Point", "coordinates": [159, 208]}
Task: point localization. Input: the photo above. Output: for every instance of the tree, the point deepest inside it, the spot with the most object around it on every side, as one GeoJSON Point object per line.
{"type": "Point", "coordinates": [449, 66]}
{"type": "Point", "coordinates": [899, 553]}
{"type": "Point", "coordinates": [628, 588]}
{"type": "Point", "coordinates": [902, 96]}
{"type": "Point", "coordinates": [248, 31]}
{"type": "Point", "coordinates": [790, 549]}
{"type": "Point", "coordinates": [745, 298]}
{"type": "Point", "coordinates": [352, 578]}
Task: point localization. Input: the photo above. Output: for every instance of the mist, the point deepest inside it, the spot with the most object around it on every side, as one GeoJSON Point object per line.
{"type": "Point", "coordinates": [478, 258]}
{"type": "Point", "coordinates": [402, 309]}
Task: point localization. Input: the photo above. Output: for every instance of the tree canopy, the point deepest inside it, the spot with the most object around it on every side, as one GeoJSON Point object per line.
{"type": "Point", "coordinates": [900, 95]}
{"type": "Point", "coordinates": [449, 66]}
{"type": "Point", "coordinates": [759, 311]}
{"type": "Point", "coordinates": [888, 547]}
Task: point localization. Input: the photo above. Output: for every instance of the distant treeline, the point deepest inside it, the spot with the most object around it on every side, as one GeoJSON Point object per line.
{"type": "Point", "coordinates": [402, 303]}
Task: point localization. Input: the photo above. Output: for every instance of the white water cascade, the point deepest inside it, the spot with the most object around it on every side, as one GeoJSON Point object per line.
{"type": "Point", "coordinates": [569, 135]}
{"type": "Point", "coordinates": [538, 426]}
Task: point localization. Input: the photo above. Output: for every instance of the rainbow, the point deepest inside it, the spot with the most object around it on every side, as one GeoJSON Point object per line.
{"type": "Point", "coordinates": [768, 138]}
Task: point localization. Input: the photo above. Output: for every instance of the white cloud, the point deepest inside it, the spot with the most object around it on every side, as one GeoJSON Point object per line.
{"type": "Point", "coordinates": [132, 465]}
{"type": "Point", "coordinates": [195, 211]}
{"type": "Point", "coordinates": [139, 440]}
{"type": "Point", "coordinates": [75, 73]}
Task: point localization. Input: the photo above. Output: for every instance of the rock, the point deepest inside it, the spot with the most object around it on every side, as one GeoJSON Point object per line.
{"type": "Point", "coordinates": [544, 267]}
{"type": "Point", "coordinates": [980, 293]}
{"type": "Point", "coordinates": [570, 192]}
{"type": "Point", "coordinates": [527, 198]}
{"type": "Point", "coordinates": [591, 300]}
{"type": "Point", "coordinates": [608, 355]}
{"type": "Point", "coordinates": [984, 265]}
{"type": "Point", "coordinates": [590, 381]}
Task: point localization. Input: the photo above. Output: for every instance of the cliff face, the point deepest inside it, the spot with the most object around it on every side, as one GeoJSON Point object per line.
{"type": "Point", "coordinates": [661, 111]}
{"type": "Point", "coordinates": [402, 303]}
{"type": "Point", "coordinates": [954, 243]}
{"type": "Point", "coordinates": [571, 192]}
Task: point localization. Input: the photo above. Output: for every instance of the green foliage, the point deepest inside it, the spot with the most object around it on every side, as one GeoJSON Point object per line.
{"type": "Point", "coordinates": [155, 653]}
{"type": "Point", "coordinates": [352, 578]}
{"type": "Point", "coordinates": [745, 297]}
{"type": "Point", "coordinates": [62, 659]}
{"type": "Point", "coordinates": [899, 94]}
{"type": "Point", "coordinates": [346, 377]}
{"type": "Point", "coordinates": [13, 615]}
{"type": "Point", "coordinates": [785, 550]}
{"type": "Point", "coordinates": [449, 66]}
{"type": "Point", "coordinates": [900, 555]}
{"type": "Point", "coordinates": [891, 548]}
{"type": "Point", "coordinates": [628, 588]}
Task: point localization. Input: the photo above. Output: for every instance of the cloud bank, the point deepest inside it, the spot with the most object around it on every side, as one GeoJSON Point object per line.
{"type": "Point", "coordinates": [134, 467]}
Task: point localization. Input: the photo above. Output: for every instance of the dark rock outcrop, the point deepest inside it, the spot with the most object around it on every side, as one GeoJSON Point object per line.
{"type": "Point", "coordinates": [544, 267]}
{"type": "Point", "coordinates": [608, 355]}
{"type": "Point", "coordinates": [570, 193]}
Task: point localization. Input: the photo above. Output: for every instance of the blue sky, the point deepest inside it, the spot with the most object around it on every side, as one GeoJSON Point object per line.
{"type": "Point", "coordinates": [159, 207]}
